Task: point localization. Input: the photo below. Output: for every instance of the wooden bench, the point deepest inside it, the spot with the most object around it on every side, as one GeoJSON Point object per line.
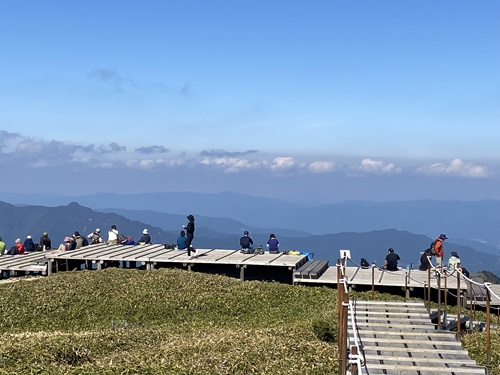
{"type": "Point", "coordinates": [312, 269]}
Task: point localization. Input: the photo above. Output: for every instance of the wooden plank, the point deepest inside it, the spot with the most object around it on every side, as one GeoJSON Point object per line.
{"type": "Point", "coordinates": [406, 341]}
{"type": "Point", "coordinates": [375, 349]}
{"type": "Point", "coordinates": [462, 361]}
{"type": "Point", "coordinates": [436, 369]}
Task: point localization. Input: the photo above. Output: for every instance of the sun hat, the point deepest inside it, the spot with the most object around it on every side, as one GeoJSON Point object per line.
{"type": "Point", "coordinates": [443, 236]}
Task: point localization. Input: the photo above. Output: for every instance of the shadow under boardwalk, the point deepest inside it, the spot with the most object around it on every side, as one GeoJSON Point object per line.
{"type": "Point", "coordinates": [399, 338]}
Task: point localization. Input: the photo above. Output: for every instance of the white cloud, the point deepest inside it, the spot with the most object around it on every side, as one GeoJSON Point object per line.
{"type": "Point", "coordinates": [456, 167]}
{"type": "Point", "coordinates": [321, 166]}
{"type": "Point", "coordinates": [378, 167]}
{"type": "Point", "coordinates": [231, 165]}
{"type": "Point", "coordinates": [281, 163]}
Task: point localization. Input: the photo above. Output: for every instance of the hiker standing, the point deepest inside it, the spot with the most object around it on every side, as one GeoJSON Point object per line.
{"type": "Point", "coordinates": [190, 235]}
{"type": "Point", "coordinates": [439, 250]}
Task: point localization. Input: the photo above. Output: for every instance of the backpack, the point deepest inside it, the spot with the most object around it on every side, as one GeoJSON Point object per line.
{"type": "Point", "coordinates": [465, 272]}
{"type": "Point", "coordinates": [85, 242]}
{"type": "Point", "coordinates": [432, 248]}
{"type": "Point", "coordinates": [12, 251]}
{"type": "Point", "coordinates": [364, 263]}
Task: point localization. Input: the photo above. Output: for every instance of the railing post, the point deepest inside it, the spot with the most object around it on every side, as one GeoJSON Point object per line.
{"type": "Point", "coordinates": [345, 307]}
{"type": "Point", "coordinates": [340, 290]}
{"type": "Point", "coordinates": [354, 367]}
{"type": "Point", "coordinates": [488, 343]}
{"type": "Point", "coordinates": [429, 287]}
{"type": "Point", "coordinates": [439, 300]}
{"type": "Point", "coordinates": [459, 304]}
{"type": "Point", "coordinates": [373, 281]}
{"type": "Point", "coordinates": [445, 314]}
{"type": "Point", "coordinates": [406, 286]}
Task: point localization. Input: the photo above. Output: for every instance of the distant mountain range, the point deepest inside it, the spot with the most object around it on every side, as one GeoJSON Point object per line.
{"type": "Point", "coordinates": [216, 232]}
{"type": "Point", "coordinates": [467, 221]}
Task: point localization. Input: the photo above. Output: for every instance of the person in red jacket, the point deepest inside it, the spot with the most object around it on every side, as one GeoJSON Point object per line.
{"type": "Point", "coordinates": [439, 250]}
{"type": "Point", "coordinates": [19, 246]}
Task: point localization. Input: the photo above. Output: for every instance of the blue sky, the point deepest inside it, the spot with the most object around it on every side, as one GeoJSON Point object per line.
{"type": "Point", "coordinates": [310, 101]}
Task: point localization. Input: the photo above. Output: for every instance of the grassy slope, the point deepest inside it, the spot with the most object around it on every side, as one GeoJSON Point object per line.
{"type": "Point", "coordinates": [166, 321]}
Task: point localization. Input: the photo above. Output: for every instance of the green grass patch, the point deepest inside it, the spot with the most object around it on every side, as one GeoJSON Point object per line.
{"type": "Point", "coordinates": [166, 321]}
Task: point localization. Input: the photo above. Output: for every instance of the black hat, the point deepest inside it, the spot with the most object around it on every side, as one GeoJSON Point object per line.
{"type": "Point", "coordinates": [77, 233]}
{"type": "Point", "coordinates": [391, 250]}
{"type": "Point", "coordinates": [454, 253]}
{"type": "Point", "coordinates": [190, 217]}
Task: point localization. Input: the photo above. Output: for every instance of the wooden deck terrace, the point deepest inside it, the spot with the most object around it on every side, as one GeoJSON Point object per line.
{"type": "Point", "coordinates": [381, 278]}
{"type": "Point", "coordinates": [152, 256]}
{"type": "Point", "coordinates": [28, 262]}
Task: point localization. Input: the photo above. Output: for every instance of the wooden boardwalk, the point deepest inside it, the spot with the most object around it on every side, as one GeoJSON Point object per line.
{"type": "Point", "coordinates": [399, 338]}
{"type": "Point", "coordinates": [155, 255]}
{"type": "Point", "coordinates": [35, 261]}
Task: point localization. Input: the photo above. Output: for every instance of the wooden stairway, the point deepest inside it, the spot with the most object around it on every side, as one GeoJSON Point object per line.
{"type": "Point", "coordinates": [399, 338]}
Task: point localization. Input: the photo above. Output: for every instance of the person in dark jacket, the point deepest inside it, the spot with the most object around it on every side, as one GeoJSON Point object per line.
{"type": "Point", "coordinates": [29, 245]}
{"type": "Point", "coordinates": [424, 260]}
{"type": "Point", "coordinates": [181, 240]}
{"type": "Point", "coordinates": [190, 235]}
{"type": "Point", "coordinates": [391, 260]}
{"type": "Point", "coordinates": [246, 243]}
{"type": "Point", "coordinates": [45, 242]}
{"type": "Point", "coordinates": [146, 238]}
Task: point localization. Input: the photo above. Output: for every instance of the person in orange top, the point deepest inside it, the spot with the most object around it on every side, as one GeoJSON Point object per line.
{"type": "Point", "coordinates": [439, 250]}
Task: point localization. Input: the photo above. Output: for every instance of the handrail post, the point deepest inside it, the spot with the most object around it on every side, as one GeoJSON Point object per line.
{"type": "Point", "coordinates": [488, 329]}
{"type": "Point", "coordinates": [406, 286]}
{"type": "Point", "coordinates": [354, 367]}
{"type": "Point", "coordinates": [445, 315]}
{"type": "Point", "coordinates": [429, 288]}
{"type": "Point", "coordinates": [459, 304]}
{"type": "Point", "coordinates": [439, 300]}
{"type": "Point", "coordinates": [373, 281]}
{"type": "Point", "coordinates": [340, 290]}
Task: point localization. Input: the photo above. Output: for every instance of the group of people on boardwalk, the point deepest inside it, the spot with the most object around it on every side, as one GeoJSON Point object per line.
{"type": "Point", "coordinates": [437, 250]}
{"type": "Point", "coordinates": [246, 243]}
{"type": "Point", "coordinates": [72, 242]}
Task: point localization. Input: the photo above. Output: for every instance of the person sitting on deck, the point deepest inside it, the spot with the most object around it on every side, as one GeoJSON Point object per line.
{"type": "Point", "coordinates": [66, 245]}
{"type": "Point", "coordinates": [391, 260]}
{"type": "Point", "coordinates": [246, 243]}
{"type": "Point", "coordinates": [95, 237]}
{"type": "Point", "coordinates": [273, 244]}
{"type": "Point", "coordinates": [80, 240]}
{"type": "Point", "coordinates": [453, 261]}
{"type": "Point", "coordinates": [146, 238]}
{"type": "Point", "coordinates": [45, 242]}
{"type": "Point", "coordinates": [113, 235]}
{"type": "Point", "coordinates": [19, 246]}
{"type": "Point", "coordinates": [181, 240]}
{"type": "Point", "coordinates": [29, 245]}
{"type": "Point", "coordinates": [424, 260]}
{"type": "Point", "coordinates": [2, 246]}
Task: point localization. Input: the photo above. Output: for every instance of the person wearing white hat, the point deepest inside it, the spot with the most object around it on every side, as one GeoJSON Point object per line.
{"type": "Point", "coordinates": [95, 237]}
{"type": "Point", "coordinates": [146, 238]}
{"type": "Point", "coordinates": [29, 245]}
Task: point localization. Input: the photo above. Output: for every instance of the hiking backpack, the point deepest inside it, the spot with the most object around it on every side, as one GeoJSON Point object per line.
{"type": "Point", "coordinates": [364, 263]}
{"type": "Point", "coordinates": [432, 248]}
